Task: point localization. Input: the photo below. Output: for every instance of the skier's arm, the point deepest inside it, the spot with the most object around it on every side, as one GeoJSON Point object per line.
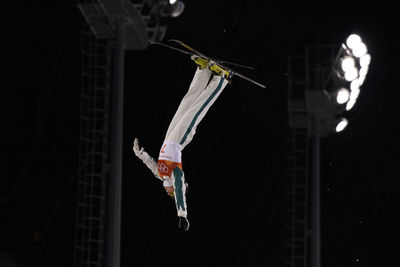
{"type": "Point", "coordinates": [146, 158]}
{"type": "Point", "coordinates": [169, 187]}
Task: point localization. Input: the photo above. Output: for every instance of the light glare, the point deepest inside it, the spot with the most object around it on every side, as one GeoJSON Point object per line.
{"type": "Point", "coordinates": [360, 50]}
{"type": "Point", "coordinates": [363, 74]}
{"type": "Point", "coordinates": [348, 63]}
{"type": "Point", "coordinates": [353, 40]}
{"type": "Point", "coordinates": [365, 60]}
{"type": "Point", "coordinates": [361, 79]}
{"type": "Point", "coordinates": [355, 84]}
{"type": "Point", "coordinates": [343, 96]}
{"type": "Point", "coordinates": [363, 71]}
{"type": "Point", "coordinates": [351, 74]}
{"type": "Point", "coordinates": [350, 104]}
{"type": "Point", "coordinates": [354, 94]}
{"type": "Point", "coordinates": [341, 125]}
{"type": "Point", "coordinates": [177, 8]}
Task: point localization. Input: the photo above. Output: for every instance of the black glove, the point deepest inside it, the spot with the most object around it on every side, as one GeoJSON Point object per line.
{"type": "Point", "coordinates": [183, 223]}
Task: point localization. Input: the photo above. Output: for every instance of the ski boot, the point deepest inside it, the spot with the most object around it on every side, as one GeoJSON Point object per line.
{"type": "Point", "coordinates": [218, 70]}
{"type": "Point", "coordinates": [200, 62]}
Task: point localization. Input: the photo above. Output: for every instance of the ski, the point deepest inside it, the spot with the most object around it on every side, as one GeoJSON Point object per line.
{"type": "Point", "coordinates": [172, 47]}
{"type": "Point", "coordinates": [220, 63]}
{"type": "Point", "coordinates": [188, 47]}
{"type": "Point", "coordinates": [203, 56]}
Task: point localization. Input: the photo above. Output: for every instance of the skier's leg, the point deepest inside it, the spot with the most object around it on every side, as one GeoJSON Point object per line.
{"type": "Point", "coordinates": [178, 179]}
{"type": "Point", "coordinates": [198, 84]}
{"type": "Point", "coordinates": [180, 187]}
{"type": "Point", "coordinates": [185, 128]}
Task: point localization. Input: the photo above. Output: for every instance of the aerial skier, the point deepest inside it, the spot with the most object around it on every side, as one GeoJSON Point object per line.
{"type": "Point", "coordinates": [208, 83]}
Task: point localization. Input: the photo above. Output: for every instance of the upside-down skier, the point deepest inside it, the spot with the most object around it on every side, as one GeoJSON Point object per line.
{"type": "Point", "coordinates": [208, 82]}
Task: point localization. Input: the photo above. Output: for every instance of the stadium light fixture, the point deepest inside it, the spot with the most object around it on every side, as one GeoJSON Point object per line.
{"type": "Point", "coordinates": [346, 77]}
{"type": "Point", "coordinates": [351, 69]}
{"type": "Point", "coordinates": [350, 104]}
{"type": "Point", "coordinates": [358, 48]}
{"type": "Point", "coordinates": [343, 95]}
{"type": "Point", "coordinates": [177, 9]}
{"type": "Point", "coordinates": [341, 125]}
{"type": "Point", "coordinates": [353, 40]}
{"type": "Point", "coordinates": [353, 98]}
{"type": "Point", "coordinates": [355, 84]}
{"type": "Point", "coordinates": [171, 8]}
{"type": "Point", "coordinates": [365, 60]}
{"type": "Point", "coordinates": [348, 63]}
{"type": "Point", "coordinates": [351, 74]}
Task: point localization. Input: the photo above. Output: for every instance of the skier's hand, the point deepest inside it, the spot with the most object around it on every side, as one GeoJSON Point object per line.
{"type": "Point", "coordinates": [138, 151]}
{"type": "Point", "coordinates": [183, 223]}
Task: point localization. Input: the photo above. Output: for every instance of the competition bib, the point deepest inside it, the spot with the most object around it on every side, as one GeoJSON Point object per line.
{"type": "Point", "coordinates": [169, 158]}
{"type": "Point", "coordinates": [171, 151]}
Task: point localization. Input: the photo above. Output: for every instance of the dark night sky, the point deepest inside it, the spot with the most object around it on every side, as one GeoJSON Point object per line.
{"type": "Point", "coordinates": [236, 164]}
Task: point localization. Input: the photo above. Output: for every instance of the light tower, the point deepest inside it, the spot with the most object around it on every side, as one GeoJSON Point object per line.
{"type": "Point", "coordinates": [323, 85]}
{"type": "Point", "coordinates": [113, 26]}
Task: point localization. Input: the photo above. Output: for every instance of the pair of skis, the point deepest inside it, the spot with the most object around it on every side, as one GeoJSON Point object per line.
{"type": "Point", "coordinates": [218, 62]}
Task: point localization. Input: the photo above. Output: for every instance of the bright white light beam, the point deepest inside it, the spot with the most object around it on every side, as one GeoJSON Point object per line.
{"type": "Point", "coordinates": [343, 96]}
{"type": "Point", "coordinates": [341, 125]}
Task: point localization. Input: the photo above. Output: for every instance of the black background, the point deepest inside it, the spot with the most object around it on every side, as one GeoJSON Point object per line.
{"type": "Point", "coordinates": [236, 165]}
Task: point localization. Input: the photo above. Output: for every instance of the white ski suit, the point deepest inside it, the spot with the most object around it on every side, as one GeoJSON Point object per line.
{"type": "Point", "coordinates": [201, 95]}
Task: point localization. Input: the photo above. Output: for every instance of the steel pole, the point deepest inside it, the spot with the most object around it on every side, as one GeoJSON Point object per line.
{"type": "Point", "coordinates": [113, 215]}
{"type": "Point", "coordinates": [316, 196]}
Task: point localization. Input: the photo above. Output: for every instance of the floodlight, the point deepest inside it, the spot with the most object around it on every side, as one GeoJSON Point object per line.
{"type": "Point", "coordinates": [355, 84]}
{"type": "Point", "coordinates": [342, 96]}
{"type": "Point", "coordinates": [351, 74]}
{"type": "Point", "coordinates": [348, 63]}
{"type": "Point", "coordinates": [365, 60]}
{"type": "Point", "coordinates": [172, 8]}
{"type": "Point", "coordinates": [341, 125]}
{"type": "Point", "coordinates": [360, 50]}
{"type": "Point", "coordinates": [361, 79]}
{"type": "Point", "coordinates": [364, 71]}
{"type": "Point", "coordinates": [350, 104]}
{"type": "Point", "coordinates": [354, 93]}
{"type": "Point", "coordinates": [353, 40]}
{"type": "Point", "coordinates": [363, 74]}
{"type": "Point", "coordinates": [177, 8]}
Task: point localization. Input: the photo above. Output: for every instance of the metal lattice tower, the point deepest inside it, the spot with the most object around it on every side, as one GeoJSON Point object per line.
{"type": "Point", "coordinates": [93, 154]}
{"type": "Point", "coordinates": [311, 114]}
{"type": "Point", "coordinates": [141, 20]}
{"type": "Point", "coordinates": [113, 26]}
{"type": "Point", "coordinates": [296, 244]}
